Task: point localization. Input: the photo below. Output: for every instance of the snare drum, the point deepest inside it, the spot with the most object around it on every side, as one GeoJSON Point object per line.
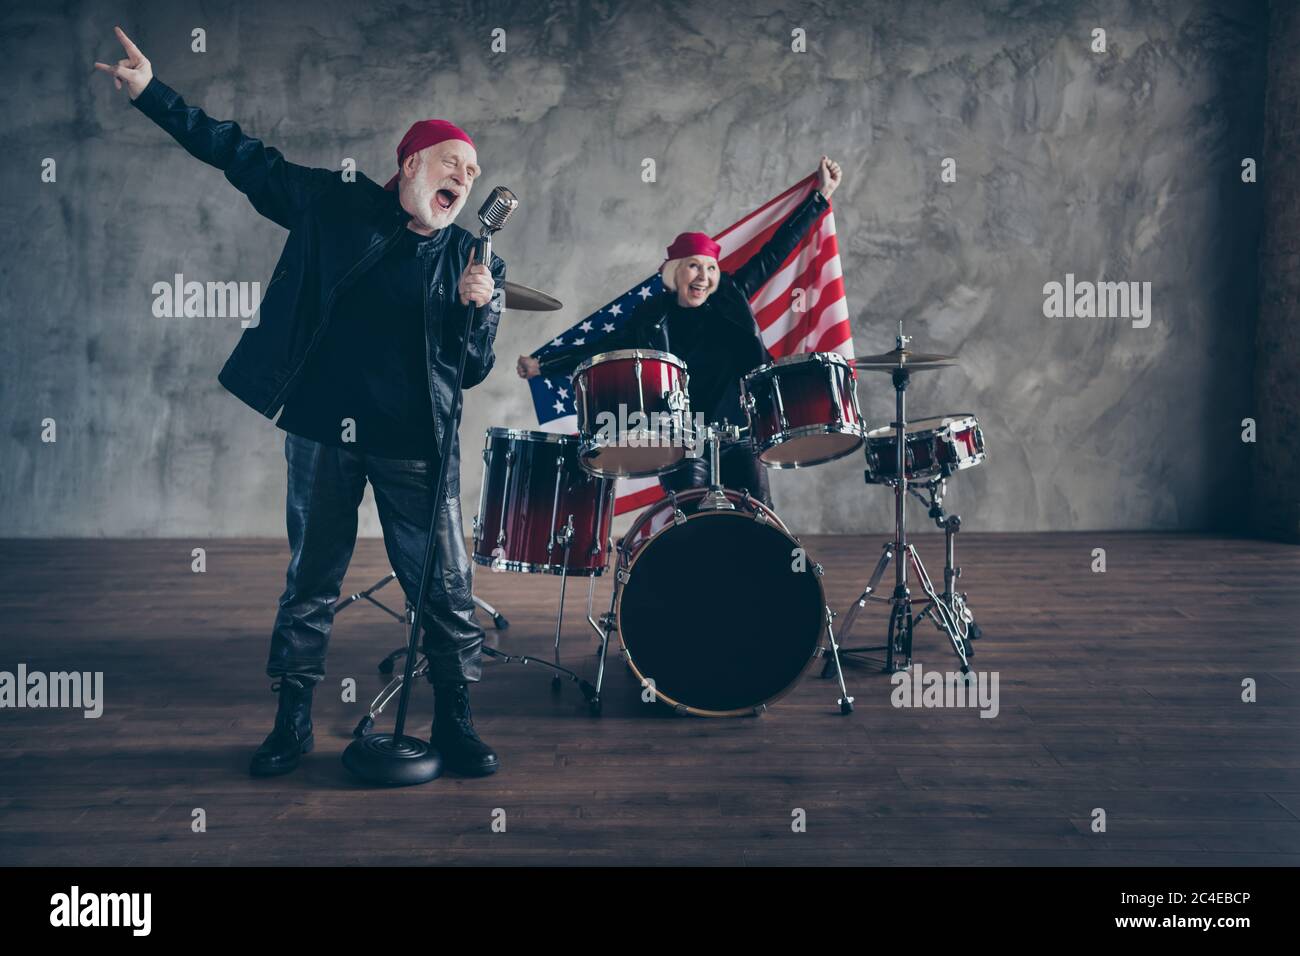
{"type": "Point", "coordinates": [633, 413]}
{"type": "Point", "coordinates": [536, 499]}
{"type": "Point", "coordinates": [935, 446]}
{"type": "Point", "coordinates": [803, 410]}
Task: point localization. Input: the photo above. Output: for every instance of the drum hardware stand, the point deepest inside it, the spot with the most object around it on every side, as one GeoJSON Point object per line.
{"type": "Point", "coordinates": [902, 621]}
{"type": "Point", "coordinates": [564, 535]}
{"type": "Point", "coordinates": [386, 666]}
{"type": "Point", "coordinates": [953, 600]}
{"type": "Point", "coordinates": [845, 701]}
{"type": "Point", "coordinates": [499, 620]}
{"type": "Point", "coordinates": [716, 499]}
{"type": "Point", "coordinates": [394, 685]}
{"type": "Point", "coordinates": [608, 623]}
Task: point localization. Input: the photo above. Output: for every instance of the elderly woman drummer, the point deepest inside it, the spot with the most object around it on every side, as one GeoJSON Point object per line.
{"type": "Point", "coordinates": [703, 316]}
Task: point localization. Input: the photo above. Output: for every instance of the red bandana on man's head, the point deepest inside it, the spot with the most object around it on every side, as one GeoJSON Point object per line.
{"type": "Point", "coordinates": [422, 135]}
{"type": "Point", "coordinates": [693, 244]}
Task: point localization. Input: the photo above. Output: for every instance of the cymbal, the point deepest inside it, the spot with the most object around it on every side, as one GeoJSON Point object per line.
{"type": "Point", "coordinates": [523, 298]}
{"type": "Point", "coordinates": [903, 358]}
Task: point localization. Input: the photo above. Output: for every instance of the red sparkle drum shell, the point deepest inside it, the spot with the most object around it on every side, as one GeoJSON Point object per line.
{"type": "Point", "coordinates": [951, 442]}
{"type": "Point", "coordinates": [614, 389]}
{"type": "Point", "coordinates": [717, 607]}
{"type": "Point", "coordinates": [532, 485]}
{"type": "Point", "coordinates": [803, 410]}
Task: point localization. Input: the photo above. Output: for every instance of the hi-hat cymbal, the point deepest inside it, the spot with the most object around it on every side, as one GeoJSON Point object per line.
{"type": "Point", "coordinates": [523, 298]}
{"type": "Point", "coordinates": [903, 358]}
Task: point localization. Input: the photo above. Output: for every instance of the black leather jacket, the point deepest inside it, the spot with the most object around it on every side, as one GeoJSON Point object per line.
{"type": "Point", "coordinates": [645, 330]}
{"type": "Point", "coordinates": [337, 229]}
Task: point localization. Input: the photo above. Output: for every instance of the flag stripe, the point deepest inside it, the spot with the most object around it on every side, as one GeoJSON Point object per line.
{"type": "Point", "coordinates": [813, 332]}
{"type": "Point", "coordinates": [780, 331]}
{"type": "Point", "coordinates": [766, 212]}
{"type": "Point", "coordinates": [807, 272]}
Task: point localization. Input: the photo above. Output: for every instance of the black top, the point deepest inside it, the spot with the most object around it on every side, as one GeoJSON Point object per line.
{"type": "Point", "coordinates": [716, 352]}
{"type": "Point", "coordinates": [370, 365]}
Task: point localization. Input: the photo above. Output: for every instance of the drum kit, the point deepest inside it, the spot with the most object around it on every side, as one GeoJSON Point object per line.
{"type": "Point", "coordinates": [716, 607]}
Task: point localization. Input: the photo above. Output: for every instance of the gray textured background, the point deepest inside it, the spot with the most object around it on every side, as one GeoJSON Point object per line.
{"type": "Point", "coordinates": [1119, 166]}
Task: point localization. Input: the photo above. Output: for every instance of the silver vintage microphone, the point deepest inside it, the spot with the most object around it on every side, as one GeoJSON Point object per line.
{"type": "Point", "coordinates": [494, 212]}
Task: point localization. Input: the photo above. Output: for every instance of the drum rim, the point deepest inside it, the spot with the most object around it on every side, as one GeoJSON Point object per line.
{"type": "Point", "coordinates": [822, 358]}
{"type": "Point", "coordinates": [586, 446]}
{"type": "Point", "coordinates": [805, 431]}
{"type": "Point", "coordinates": [889, 431]}
{"type": "Point", "coordinates": [526, 434]}
{"type": "Point", "coordinates": [526, 567]}
{"type": "Point", "coordinates": [922, 478]}
{"type": "Point", "coordinates": [620, 590]}
{"type": "Point", "coordinates": [630, 353]}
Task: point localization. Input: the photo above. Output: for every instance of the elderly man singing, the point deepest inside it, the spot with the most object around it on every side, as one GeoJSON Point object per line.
{"type": "Point", "coordinates": [358, 343]}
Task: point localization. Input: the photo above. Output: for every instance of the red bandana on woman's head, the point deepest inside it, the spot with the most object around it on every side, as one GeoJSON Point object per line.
{"type": "Point", "coordinates": [422, 135]}
{"type": "Point", "coordinates": [693, 244]}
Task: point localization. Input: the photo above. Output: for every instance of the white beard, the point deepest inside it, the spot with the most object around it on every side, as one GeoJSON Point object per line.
{"type": "Point", "coordinates": [422, 197]}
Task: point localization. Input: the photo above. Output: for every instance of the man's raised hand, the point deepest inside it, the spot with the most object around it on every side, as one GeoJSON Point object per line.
{"type": "Point", "coordinates": [134, 71]}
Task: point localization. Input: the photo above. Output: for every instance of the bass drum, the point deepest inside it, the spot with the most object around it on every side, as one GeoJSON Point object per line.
{"type": "Point", "coordinates": [720, 609]}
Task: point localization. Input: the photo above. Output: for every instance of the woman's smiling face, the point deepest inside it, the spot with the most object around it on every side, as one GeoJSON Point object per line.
{"type": "Point", "coordinates": [696, 280]}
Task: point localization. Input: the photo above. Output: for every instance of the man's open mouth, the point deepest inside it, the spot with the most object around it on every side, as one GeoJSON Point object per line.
{"type": "Point", "coordinates": [445, 198]}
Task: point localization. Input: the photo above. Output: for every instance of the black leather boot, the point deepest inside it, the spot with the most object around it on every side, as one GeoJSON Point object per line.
{"type": "Point", "coordinates": [291, 736]}
{"type": "Point", "coordinates": [454, 736]}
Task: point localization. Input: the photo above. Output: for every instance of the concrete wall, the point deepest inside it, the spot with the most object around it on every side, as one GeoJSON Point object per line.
{"type": "Point", "coordinates": [1122, 165]}
{"type": "Point", "coordinates": [1276, 455]}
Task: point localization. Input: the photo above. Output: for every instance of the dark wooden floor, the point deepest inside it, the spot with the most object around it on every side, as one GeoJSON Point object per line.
{"type": "Point", "coordinates": [1118, 690]}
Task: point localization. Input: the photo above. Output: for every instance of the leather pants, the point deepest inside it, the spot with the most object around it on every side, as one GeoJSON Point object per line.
{"type": "Point", "coordinates": [325, 489]}
{"type": "Point", "coordinates": [741, 470]}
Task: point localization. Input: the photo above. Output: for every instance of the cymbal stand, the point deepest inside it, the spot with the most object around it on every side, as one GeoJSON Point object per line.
{"type": "Point", "coordinates": [902, 619]}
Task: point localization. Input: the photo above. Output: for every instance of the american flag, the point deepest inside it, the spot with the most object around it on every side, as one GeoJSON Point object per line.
{"type": "Point", "coordinates": [822, 325]}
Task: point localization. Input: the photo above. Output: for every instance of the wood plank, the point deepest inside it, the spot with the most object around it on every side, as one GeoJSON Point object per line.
{"type": "Point", "coordinates": [1119, 690]}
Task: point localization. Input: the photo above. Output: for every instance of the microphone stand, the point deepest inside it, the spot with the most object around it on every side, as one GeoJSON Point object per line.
{"type": "Point", "coordinates": [396, 759]}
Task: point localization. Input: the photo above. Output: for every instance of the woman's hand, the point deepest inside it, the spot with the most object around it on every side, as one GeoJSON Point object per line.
{"type": "Point", "coordinates": [134, 71]}
{"type": "Point", "coordinates": [528, 367]}
{"type": "Point", "coordinates": [828, 176]}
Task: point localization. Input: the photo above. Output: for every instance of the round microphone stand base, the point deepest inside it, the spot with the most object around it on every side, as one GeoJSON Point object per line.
{"type": "Point", "coordinates": [392, 760]}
